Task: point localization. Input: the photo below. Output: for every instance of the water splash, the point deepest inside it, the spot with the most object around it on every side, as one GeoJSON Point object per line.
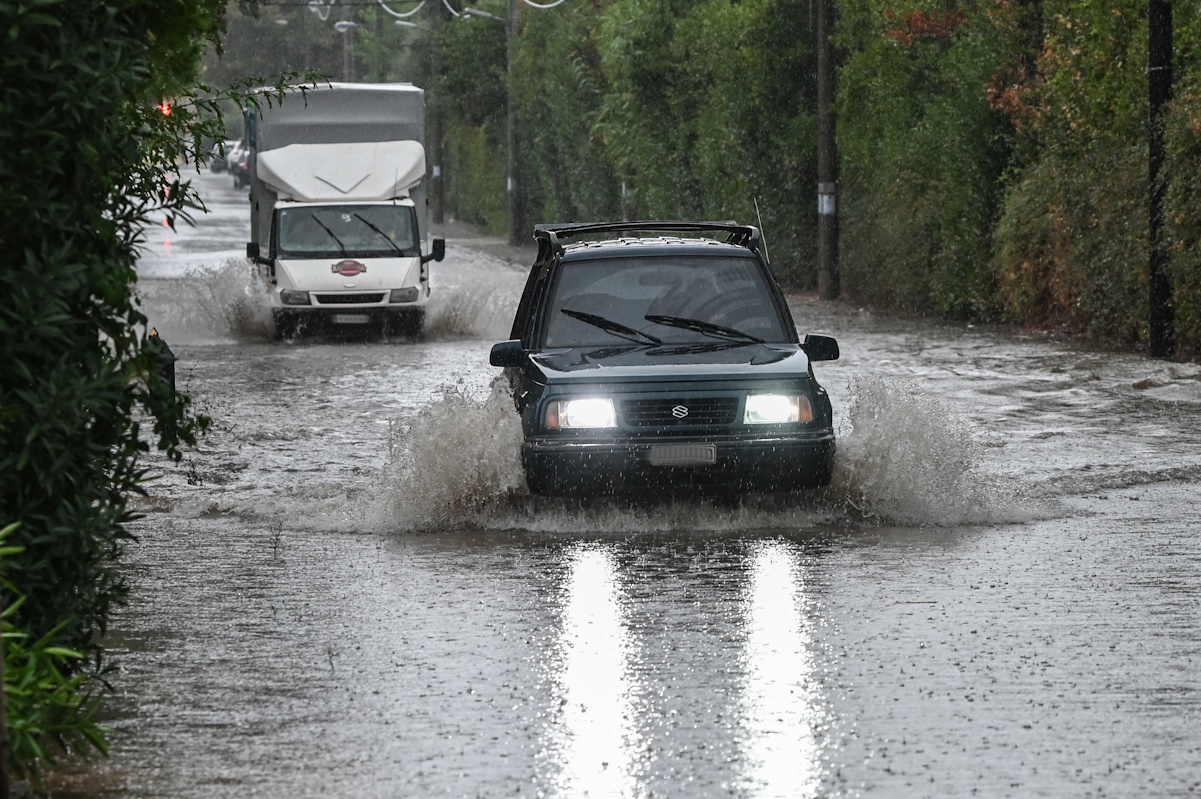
{"type": "Point", "coordinates": [906, 458]}
{"type": "Point", "coordinates": [458, 462]}
{"type": "Point", "coordinates": [903, 459]}
{"type": "Point", "coordinates": [208, 304]}
{"type": "Point", "coordinates": [473, 294]}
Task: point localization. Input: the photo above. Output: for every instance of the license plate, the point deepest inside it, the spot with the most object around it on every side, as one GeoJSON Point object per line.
{"type": "Point", "coordinates": [683, 455]}
{"type": "Point", "coordinates": [350, 318]}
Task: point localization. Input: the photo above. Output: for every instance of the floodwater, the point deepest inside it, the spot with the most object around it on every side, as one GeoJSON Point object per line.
{"type": "Point", "coordinates": [345, 591]}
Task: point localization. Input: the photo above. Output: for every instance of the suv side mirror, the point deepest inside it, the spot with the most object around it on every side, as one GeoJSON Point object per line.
{"type": "Point", "coordinates": [507, 353]}
{"type": "Point", "coordinates": [252, 251]}
{"type": "Point", "coordinates": [820, 348]}
{"type": "Point", "coordinates": [437, 250]}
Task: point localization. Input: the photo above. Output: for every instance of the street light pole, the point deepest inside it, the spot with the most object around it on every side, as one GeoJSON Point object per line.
{"type": "Point", "coordinates": [346, 28]}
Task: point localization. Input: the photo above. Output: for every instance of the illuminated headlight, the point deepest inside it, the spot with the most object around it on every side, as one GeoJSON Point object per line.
{"type": "Point", "coordinates": [579, 413]}
{"type": "Point", "coordinates": [777, 409]}
{"type": "Point", "coordinates": [403, 295]}
{"type": "Point", "coordinates": [294, 297]}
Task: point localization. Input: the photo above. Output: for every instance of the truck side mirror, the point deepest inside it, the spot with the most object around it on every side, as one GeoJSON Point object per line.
{"type": "Point", "coordinates": [437, 250]}
{"type": "Point", "coordinates": [252, 251]}
{"type": "Point", "coordinates": [820, 348]}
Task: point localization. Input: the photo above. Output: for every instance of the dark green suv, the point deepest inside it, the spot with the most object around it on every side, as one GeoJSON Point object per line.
{"type": "Point", "coordinates": [661, 358]}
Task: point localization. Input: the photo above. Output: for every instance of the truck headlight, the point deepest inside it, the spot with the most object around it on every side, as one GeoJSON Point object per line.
{"type": "Point", "coordinates": [288, 297]}
{"type": "Point", "coordinates": [580, 413]}
{"type": "Point", "coordinates": [777, 409]}
{"type": "Point", "coordinates": [403, 295]}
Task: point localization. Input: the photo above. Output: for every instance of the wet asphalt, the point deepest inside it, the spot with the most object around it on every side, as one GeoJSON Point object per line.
{"type": "Point", "coordinates": [345, 590]}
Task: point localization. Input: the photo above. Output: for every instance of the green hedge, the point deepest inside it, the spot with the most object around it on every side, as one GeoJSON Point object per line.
{"type": "Point", "coordinates": [85, 159]}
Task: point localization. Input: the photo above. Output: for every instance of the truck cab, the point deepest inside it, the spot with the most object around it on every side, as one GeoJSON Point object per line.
{"type": "Point", "coordinates": [339, 230]}
{"type": "Point", "coordinates": [337, 264]}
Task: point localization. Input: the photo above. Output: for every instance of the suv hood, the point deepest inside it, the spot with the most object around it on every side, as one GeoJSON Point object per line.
{"type": "Point", "coordinates": [637, 363]}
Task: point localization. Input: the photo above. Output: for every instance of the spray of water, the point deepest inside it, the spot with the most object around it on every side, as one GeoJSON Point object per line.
{"type": "Point", "coordinates": [457, 463]}
{"type": "Point", "coordinates": [903, 459]}
{"type": "Point", "coordinates": [208, 304]}
{"type": "Point", "coordinates": [906, 458]}
{"type": "Point", "coordinates": [473, 295]}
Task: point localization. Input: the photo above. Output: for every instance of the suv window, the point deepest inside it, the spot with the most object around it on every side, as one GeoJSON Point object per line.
{"type": "Point", "coordinates": [725, 290]}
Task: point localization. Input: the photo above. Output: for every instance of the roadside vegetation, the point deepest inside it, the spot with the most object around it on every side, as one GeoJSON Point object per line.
{"type": "Point", "coordinates": [993, 152]}
{"type": "Point", "coordinates": [87, 154]}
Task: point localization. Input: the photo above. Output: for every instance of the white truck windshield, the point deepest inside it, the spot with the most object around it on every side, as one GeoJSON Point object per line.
{"type": "Point", "coordinates": [341, 231]}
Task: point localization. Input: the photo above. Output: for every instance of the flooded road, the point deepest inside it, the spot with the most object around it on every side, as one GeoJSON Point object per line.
{"type": "Point", "coordinates": [345, 590]}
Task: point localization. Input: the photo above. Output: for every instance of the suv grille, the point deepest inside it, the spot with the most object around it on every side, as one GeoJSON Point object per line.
{"type": "Point", "coordinates": [348, 299]}
{"type": "Point", "coordinates": [673, 412]}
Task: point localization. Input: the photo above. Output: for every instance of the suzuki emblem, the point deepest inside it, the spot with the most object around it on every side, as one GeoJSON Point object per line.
{"type": "Point", "coordinates": [679, 411]}
{"type": "Point", "coordinates": [348, 268]}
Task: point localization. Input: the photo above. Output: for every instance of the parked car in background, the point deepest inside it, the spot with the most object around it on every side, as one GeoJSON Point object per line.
{"type": "Point", "coordinates": [653, 358]}
{"type": "Point", "coordinates": [239, 165]}
{"type": "Point", "coordinates": [219, 155]}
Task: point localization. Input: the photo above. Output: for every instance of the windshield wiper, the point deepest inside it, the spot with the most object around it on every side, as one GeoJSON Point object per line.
{"type": "Point", "coordinates": [341, 246]}
{"type": "Point", "coordinates": [381, 234]}
{"type": "Point", "coordinates": [609, 326]}
{"type": "Point", "coordinates": [702, 327]}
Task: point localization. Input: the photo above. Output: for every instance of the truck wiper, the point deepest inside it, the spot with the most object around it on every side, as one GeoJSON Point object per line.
{"type": "Point", "coordinates": [341, 246]}
{"type": "Point", "coordinates": [381, 233]}
{"type": "Point", "coordinates": [702, 327]}
{"type": "Point", "coordinates": [609, 326]}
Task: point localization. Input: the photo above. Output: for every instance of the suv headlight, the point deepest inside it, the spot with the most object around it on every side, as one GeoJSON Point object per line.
{"type": "Point", "coordinates": [777, 409]}
{"type": "Point", "coordinates": [403, 295]}
{"type": "Point", "coordinates": [580, 413]}
{"type": "Point", "coordinates": [288, 297]}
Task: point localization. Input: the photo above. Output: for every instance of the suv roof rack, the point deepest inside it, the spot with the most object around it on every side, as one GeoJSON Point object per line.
{"type": "Point", "coordinates": [552, 236]}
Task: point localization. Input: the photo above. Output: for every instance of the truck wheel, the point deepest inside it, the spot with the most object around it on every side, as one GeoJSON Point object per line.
{"type": "Point", "coordinates": [410, 324]}
{"type": "Point", "coordinates": [285, 325]}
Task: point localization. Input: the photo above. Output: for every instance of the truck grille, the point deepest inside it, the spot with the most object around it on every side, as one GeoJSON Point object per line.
{"type": "Point", "coordinates": [349, 299]}
{"type": "Point", "coordinates": [676, 412]}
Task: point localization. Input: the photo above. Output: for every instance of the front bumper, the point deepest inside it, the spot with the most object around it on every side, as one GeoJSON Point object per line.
{"type": "Point", "coordinates": [291, 320]}
{"type": "Point", "coordinates": [743, 464]}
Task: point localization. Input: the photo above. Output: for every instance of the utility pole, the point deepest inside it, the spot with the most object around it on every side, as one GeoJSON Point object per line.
{"type": "Point", "coordinates": [435, 120]}
{"type": "Point", "coordinates": [511, 121]}
{"type": "Point", "coordinates": [1162, 321]}
{"type": "Point", "coordinates": [827, 157]}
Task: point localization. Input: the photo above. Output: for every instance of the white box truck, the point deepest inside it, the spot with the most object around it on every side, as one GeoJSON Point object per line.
{"type": "Point", "coordinates": [338, 220]}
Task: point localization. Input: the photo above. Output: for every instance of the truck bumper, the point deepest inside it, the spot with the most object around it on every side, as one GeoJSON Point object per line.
{"type": "Point", "coordinates": [407, 320]}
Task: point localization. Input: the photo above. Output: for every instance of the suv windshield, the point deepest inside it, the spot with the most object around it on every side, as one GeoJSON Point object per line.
{"type": "Point", "coordinates": [357, 231]}
{"type": "Point", "coordinates": [689, 299]}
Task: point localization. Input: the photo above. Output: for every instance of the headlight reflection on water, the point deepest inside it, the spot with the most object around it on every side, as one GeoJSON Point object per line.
{"type": "Point", "coordinates": [602, 740]}
{"type": "Point", "coordinates": [596, 734]}
{"type": "Point", "coordinates": [780, 699]}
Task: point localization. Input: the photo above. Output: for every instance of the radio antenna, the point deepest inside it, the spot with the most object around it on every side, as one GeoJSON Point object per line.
{"type": "Point", "coordinates": [762, 232]}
